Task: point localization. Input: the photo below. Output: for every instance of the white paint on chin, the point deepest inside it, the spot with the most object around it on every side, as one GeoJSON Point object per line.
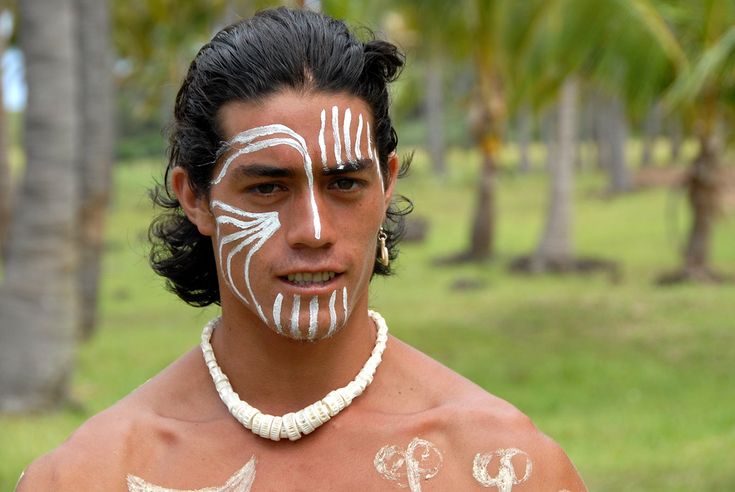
{"type": "Point", "coordinates": [332, 314]}
{"type": "Point", "coordinates": [313, 317]}
{"type": "Point", "coordinates": [295, 311]}
{"type": "Point", "coordinates": [277, 313]}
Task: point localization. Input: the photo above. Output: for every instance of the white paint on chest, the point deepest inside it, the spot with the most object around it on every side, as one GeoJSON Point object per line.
{"type": "Point", "coordinates": [241, 481]}
{"type": "Point", "coordinates": [420, 461]}
{"type": "Point", "coordinates": [497, 469]}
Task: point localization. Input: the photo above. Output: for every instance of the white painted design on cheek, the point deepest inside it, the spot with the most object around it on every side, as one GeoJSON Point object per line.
{"type": "Point", "coordinates": [347, 124]}
{"type": "Point", "coordinates": [241, 481]}
{"type": "Point", "coordinates": [277, 312]}
{"type": "Point", "coordinates": [335, 133]}
{"type": "Point", "coordinates": [421, 460]}
{"type": "Point", "coordinates": [294, 140]}
{"type": "Point", "coordinates": [358, 137]}
{"type": "Point", "coordinates": [313, 317]}
{"type": "Point", "coordinates": [506, 476]}
{"type": "Point", "coordinates": [295, 317]}
{"type": "Point", "coordinates": [254, 228]}
{"type": "Point", "coordinates": [344, 301]}
{"type": "Point", "coordinates": [322, 144]}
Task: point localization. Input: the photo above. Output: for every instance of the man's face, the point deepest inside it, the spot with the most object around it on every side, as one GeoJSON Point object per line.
{"type": "Point", "coordinates": [298, 199]}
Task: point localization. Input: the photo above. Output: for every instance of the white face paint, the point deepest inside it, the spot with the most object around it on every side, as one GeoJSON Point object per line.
{"type": "Point", "coordinates": [241, 481]}
{"type": "Point", "coordinates": [421, 460]}
{"type": "Point", "coordinates": [505, 473]}
{"type": "Point", "coordinates": [241, 232]}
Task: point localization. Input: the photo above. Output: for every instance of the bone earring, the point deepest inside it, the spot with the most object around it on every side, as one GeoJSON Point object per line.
{"type": "Point", "coordinates": [384, 258]}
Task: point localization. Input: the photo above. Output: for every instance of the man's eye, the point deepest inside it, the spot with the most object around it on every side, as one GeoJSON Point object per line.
{"type": "Point", "coordinates": [345, 184]}
{"type": "Point", "coordinates": [265, 188]}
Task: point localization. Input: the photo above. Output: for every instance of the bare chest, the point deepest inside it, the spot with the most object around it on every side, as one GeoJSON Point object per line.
{"type": "Point", "coordinates": [377, 455]}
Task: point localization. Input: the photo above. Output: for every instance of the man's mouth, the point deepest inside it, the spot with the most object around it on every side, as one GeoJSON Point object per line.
{"type": "Point", "coordinates": [307, 279]}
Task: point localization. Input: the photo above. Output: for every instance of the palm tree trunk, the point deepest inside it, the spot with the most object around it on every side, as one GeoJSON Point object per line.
{"type": "Point", "coordinates": [434, 108]}
{"type": "Point", "coordinates": [96, 138]}
{"type": "Point", "coordinates": [6, 184]}
{"type": "Point", "coordinates": [619, 175]}
{"type": "Point", "coordinates": [555, 247]}
{"type": "Point", "coordinates": [38, 301]}
{"type": "Point", "coordinates": [676, 139]}
{"type": "Point", "coordinates": [525, 126]}
{"type": "Point", "coordinates": [703, 193]}
{"type": "Point", "coordinates": [651, 127]}
{"type": "Point", "coordinates": [486, 128]}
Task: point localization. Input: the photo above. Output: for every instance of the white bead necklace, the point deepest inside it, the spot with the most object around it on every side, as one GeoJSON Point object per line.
{"type": "Point", "coordinates": [294, 424]}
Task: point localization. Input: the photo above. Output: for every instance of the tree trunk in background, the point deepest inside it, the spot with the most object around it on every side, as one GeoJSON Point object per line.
{"type": "Point", "coordinates": [96, 108]}
{"type": "Point", "coordinates": [600, 122]}
{"type": "Point", "coordinates": [703, 193]}
{"type": "Point", "coordinates": [525, 129]}
{"type": "Point", "coordinates": [38, 300]}
{"type": "Point", "coordinates": [486, 129]}
{"type": "Point", "coordinates": [676, 139]}
{"type": "Point", "coordinates": [6, 184]}
{"type": "Point", "coordinates": [617, 135]}
{"type": "Point", "coordinates": [555, 247]}
{"type": "Point", "coordinates": [651, 128]}
{"type": "Point", "coordinates": [549, 129]}
{"type": "Point", "coordinates": [434, 110]}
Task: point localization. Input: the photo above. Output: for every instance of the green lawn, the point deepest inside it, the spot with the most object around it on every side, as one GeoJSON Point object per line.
{"type": "Point", "coordinates": [633, 380]}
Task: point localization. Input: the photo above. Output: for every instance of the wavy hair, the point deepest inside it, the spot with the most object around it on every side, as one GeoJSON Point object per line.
{"type": "Point", "coordinates": [274, 50]}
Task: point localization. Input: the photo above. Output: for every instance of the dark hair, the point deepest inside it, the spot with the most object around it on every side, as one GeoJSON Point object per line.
{"type": "Point", "coordinates": [247, 61]}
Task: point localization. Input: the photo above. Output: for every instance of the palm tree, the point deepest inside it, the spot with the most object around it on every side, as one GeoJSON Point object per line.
{"type": "Point", "coordinates": [38, 309]}
{"type": "Point", "coordinates": [703, 90]}
{"type": "Point", "coordinates": [558, 57]}
{"type": "Point", "coordinates": [96, 138]}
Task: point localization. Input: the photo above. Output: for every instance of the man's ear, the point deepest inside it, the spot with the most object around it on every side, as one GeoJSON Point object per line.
{"type": "Point", "coordinates": [393, 168]}
{"type": "Point", "coordinates": [196, 207]}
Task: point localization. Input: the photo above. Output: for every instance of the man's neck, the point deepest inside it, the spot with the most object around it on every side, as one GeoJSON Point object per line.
{"type": "Point", "coordinates": [278, 375]}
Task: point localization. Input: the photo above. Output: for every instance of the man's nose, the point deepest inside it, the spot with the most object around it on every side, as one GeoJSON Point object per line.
{"type": "Point", "coordinates": [308, 224]}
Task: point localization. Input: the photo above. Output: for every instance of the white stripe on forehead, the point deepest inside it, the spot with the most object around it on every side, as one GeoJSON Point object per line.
{"type": "Point", "coordinates": [348, 144]}
{"type": "Point", "coordinates": [369, 142]}
{"type": "Point", "coordinates": [294, 140]}
{"type": "Point", "coordinates": [358, 137]}
{"type": "Point", "coordinates": [335, 133]}
{"type": "Point", "coordinates": [322, 144]}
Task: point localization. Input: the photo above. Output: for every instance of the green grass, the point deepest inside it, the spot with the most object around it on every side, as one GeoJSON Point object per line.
{"type": "Point", "coordinates": [633, 380]}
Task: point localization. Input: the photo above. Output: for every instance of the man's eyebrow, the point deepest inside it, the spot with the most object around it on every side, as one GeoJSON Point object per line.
{"type": "Point", "coordinates": [263, 171]}
{"type": "Point", "coordinates": [349, 167]}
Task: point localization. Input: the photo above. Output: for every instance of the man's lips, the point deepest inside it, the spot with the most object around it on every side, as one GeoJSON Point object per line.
{"type": "Point", "coordinates": [311, 280]}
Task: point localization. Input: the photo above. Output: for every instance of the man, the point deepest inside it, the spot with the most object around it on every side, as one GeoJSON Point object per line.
{"type": "Point", "coordinates": [282, 166]}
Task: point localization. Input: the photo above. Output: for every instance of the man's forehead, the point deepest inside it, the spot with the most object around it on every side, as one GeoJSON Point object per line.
{"type": "Point", "coordinates": [294, 109]}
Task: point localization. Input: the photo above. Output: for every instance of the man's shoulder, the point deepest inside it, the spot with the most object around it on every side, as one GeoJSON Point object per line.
{"type": "Point", "coordinates": [92, 458]}
{"type": "Point", "coordinates": [482, 437]}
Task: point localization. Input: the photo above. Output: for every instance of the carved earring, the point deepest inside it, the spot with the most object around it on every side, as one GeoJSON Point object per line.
{"type": "Point", "coordinates": [384, 257]}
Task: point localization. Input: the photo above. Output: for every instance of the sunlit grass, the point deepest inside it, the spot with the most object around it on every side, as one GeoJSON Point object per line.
{"type": "Point", "coordinates": [633, 380]}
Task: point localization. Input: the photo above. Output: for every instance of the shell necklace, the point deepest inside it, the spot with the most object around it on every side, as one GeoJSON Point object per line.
{"type": "Point", "coordinates": [293, 425]}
